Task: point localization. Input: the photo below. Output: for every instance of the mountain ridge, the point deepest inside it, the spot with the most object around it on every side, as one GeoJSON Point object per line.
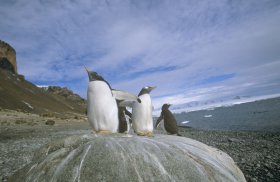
{"type": "Point", "coordinates": [16, 93]}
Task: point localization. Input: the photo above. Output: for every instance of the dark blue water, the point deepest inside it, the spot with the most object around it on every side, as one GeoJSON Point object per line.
{"type": "Point", "coordinates": [255, 116]}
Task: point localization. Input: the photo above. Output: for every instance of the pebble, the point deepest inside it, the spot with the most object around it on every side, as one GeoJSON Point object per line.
{"type": "Point", "coordinates": [254, 180]}
{"type": "Point", "coordinates": [233, 140]}
{"type": "Point", "coordinates": [269, 175]}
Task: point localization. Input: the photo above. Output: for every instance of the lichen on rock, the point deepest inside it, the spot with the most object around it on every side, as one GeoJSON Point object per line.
{"type": "Point", "coordinates": [120, 157]}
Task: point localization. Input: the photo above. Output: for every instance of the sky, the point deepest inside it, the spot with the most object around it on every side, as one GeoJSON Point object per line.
{"type": "Point", "coordinates": [191, 50]}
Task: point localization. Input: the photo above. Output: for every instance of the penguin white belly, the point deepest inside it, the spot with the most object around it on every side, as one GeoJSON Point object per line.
{"type": "Point", "coordinates": [102, 108]}
{"type": "Point", "coordinates": [142, 119]}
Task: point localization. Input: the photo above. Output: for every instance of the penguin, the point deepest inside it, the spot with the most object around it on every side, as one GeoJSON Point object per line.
{"type": "Point", "coordinates": [102, 109]}
{"type": "Point", "coordinates": [142, 119]}
{"type": "Point", "coordinates": [124, 118]}
{"type": "Point", "coordinates": [170, 123]}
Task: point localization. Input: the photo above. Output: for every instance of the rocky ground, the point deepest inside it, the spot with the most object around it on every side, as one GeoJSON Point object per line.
{"type": "Point", "coordinates": [21, 134]}
{"type": "Point", "coordinates": [256, 153]}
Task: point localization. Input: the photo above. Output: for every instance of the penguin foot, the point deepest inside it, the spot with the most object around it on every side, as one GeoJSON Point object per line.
{"type": "Point", "coordinates": [104, 132]}
{"type": "Point", "coordinates": [174, 134]}
{"type": "Point", "coordinates": [127, 136]}
{"type": "Point", "coordinates": [141, 133]}
{"type": "Point", "coordinates": [148, 134]}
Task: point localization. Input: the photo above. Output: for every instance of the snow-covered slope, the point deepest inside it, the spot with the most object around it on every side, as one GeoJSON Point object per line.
{"type": "Point", "coordinates": [260, 115]}
{"type": "Point", "coordinates": [212, 104]}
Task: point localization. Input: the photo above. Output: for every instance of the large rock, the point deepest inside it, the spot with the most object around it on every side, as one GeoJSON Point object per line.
{"type": "Point", "coordinates": [129, 158]}
{"type": "Point", "coordinates": [8, 57]}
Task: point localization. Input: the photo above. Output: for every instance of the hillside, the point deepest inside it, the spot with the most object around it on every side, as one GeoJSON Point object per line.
{"type": "Point", "coordinates": [16, 93]}
{"type": "Point", "coordinates": [260, 115]}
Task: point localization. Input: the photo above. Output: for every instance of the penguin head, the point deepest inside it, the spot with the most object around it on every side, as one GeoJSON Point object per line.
{"type": "Point", "coordinates": [165, 106]}
{"type": "Point", "coordinates": [146, 90]}
{"type": "Point", "coordinates": [92, 75]}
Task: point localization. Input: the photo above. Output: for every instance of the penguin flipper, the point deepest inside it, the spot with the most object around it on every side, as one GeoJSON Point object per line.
{"type": "Point", "coordinates": [126, 103]}
{"type": "Point", "coordinates": [128, 113]}
{"type": "Point", "coordinates": [159, 120]}
{"type": "Point", "coordinates": [157, 124]}
{"type": "Point", "coordinates": [122, 95]}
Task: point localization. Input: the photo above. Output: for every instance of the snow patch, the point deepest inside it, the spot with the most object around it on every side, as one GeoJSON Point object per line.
{"type": "Point", "coordinates": [208, 116]}
{"type": "Point", "coordinates": [27, 104]}
{"type": "Point", "coordinates": [185, 122]}
{"type": "Point", "coordinates": [42, 86]}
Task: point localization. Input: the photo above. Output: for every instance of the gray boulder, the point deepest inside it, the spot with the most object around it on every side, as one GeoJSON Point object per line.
{"type": "Point", "coordinates": [120, 157]}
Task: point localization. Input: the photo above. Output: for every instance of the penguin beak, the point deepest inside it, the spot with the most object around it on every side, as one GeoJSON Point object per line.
{"type": "Point", "coordinates": [88, 72]}
{"type": "Point", "coordinates": [152, 88]}
{"type": "Point", "coordinates": [86, 69]}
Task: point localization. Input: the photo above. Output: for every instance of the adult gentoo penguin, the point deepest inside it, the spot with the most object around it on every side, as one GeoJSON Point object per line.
{"type": "Point", "coordinates": [142, 119]}
{"type": "Point", "coordinates": [102, 109]}
{"type": "Point", "coordinates": [170, 123]}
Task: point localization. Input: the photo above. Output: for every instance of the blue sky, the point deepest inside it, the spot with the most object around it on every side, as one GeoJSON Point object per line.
{"type": "Point", "coordinates": [191, 50]}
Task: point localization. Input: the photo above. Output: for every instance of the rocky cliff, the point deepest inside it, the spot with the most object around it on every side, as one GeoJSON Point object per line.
{"type": "Point", "coordinates": [8, 57]}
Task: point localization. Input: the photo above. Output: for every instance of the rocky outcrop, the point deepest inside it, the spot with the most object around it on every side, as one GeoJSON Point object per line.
{"type": "Point", "coordinates": [119, 157]}
{"type": "Point", "coordinates": [8, 57]}
{"type": "Point", "coordinates": [65, 92]}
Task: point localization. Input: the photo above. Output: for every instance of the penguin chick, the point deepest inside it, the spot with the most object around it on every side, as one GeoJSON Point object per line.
{"type": "Point", "coordinates": [123, 113]}
{"type": "Point", "coordinates": [170, 123]}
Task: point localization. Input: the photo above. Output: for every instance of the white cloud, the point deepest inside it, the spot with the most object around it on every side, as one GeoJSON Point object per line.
{"type": "Point", "coordinates": [134, 43]}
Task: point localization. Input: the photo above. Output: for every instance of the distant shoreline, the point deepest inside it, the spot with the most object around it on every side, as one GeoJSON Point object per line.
{"type": "Point", "coordinates": [230, 130]}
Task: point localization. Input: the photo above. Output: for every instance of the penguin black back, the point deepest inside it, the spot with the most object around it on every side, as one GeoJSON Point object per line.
{"type": "Point", "coordinates": [122, 120]}
{"type": "Point", "coordinates": [170, 123]}
{"type": "Point", "coordinates": [146, 90]}
{"type": "Point", "coordinates": [94, 76]}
